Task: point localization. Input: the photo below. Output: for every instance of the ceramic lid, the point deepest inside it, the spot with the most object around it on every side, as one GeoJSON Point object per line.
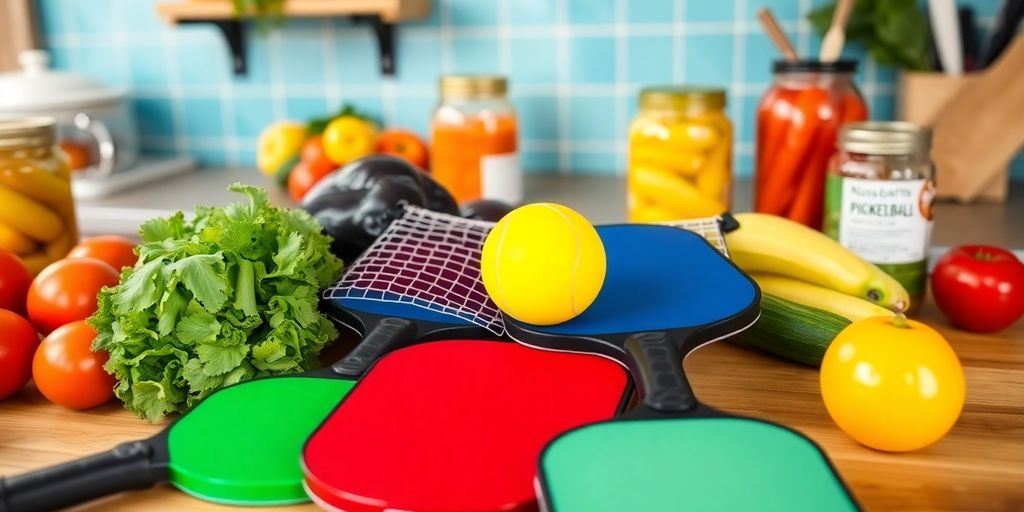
{"type": "Point", "coordinates": [37, 88]}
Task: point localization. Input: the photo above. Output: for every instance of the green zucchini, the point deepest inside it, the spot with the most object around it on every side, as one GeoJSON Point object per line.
{"type": "Point", "coordinates": [793, 331]}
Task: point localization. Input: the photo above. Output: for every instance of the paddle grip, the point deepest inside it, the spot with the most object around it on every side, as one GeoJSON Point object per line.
{"type": "Point", "coordinates": [387, 335]}
{"type": "Point", "coordinates": [125, 467]}
{"type": "Point", "coordinates": [657, 363]}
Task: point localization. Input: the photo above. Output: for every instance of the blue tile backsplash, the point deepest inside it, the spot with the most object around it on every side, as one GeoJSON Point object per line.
{"type": "Point", "coordinates": [575, 68]}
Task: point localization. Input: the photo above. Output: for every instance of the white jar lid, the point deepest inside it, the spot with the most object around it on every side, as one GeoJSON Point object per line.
{"type": "Point", "coordinates": [38, 89]}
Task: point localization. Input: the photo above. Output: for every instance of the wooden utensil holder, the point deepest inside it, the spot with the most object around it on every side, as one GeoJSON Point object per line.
{"type": "Point", "coordinates": [921, 97]}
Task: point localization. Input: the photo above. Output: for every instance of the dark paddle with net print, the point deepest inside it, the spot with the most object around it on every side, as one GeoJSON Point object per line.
{"type": "Point", "coordinates": [242, 445]}
{"type": "Point", "coordinates": [668, 292]}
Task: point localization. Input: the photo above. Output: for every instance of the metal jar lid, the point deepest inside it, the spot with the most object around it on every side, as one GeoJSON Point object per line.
{"type": "Point", "coordinates": [27, 133]}
{"type": "Point", "coordinates": [885, 138]}
{"type": "Point", "coordinates": [682, 97]}
{"type": "Point", "coordinates": [473, 86]}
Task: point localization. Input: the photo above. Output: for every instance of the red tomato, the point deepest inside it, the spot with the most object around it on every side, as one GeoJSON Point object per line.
{"type": "Point", "coordinates": [116, 251]}
{"type": "Point", "coordinates": [314, 157]}
{"type": "Point", "coordinates": [14, 282]}
{"type": "Point", "coordinates": [979, 287]}
{"type": "Point", "coordinates": [404, 144]}
{"type": "Point", "coordinates": [65, 291]}
{"type": "Point", "coordinates": [17, 344]}
{"type": "Point", "coordinates": [302, 178]}
{"type": "Point", "coordinates": [68, 372]}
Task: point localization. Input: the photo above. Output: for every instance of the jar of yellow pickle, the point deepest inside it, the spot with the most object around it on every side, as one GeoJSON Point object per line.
{"type": "Point", "coordinates": [37, 213]}
{"type": "Point", "coordinates": [680, 153]}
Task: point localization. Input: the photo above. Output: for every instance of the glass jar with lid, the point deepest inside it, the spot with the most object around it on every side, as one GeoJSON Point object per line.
{"type": "Point", "coordinates": [798, 120]}
{"type": "Point", "coordinates": [37, 214]}
{"type": "Point", "coordinates": [680, 153]}
{"type": "Point", "coordinates": [474, 144]}
{"type": "Point", "coordinates": [878, 198]}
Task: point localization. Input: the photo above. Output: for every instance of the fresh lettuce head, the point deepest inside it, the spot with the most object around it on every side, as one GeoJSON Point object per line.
{"type": "Point", "coordinates": [227, 296]}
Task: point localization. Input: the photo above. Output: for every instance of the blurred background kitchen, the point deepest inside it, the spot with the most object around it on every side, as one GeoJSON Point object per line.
{"type": "Point", "coordinates": [185, 83]}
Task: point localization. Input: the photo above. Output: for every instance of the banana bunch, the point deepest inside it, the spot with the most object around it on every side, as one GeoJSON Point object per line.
{"type": "Point", "coordinates": [37, 216]}
{"type": "Point", "coordinates": [801, 265]}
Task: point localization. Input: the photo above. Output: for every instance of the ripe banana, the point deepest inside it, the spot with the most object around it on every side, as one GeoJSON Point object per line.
{"type": "Point", "coordinates": [807, 294]}
{"type": "Point", "coordinates": [773, 245]}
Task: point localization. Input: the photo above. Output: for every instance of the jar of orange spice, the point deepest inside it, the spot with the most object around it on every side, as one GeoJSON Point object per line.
{"type": "Point", "coordinates": [473, 140]}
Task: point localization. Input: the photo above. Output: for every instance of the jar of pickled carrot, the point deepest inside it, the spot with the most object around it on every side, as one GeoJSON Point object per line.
{"type": "Point", "coordinates": [798, 121]}
{"type": "Point", "coordinates": [473, 140]}
{"type": "Point", "coordinates": [680, 153]}
{"type": "Point", "coordinates": [37, 213]}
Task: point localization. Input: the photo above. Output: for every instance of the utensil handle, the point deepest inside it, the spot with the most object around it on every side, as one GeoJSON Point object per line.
{"type": "Point", "coordinates": [104, 142]}
{"type": "Point", "coordinates": [658, 368]}
{"type": "Point", "coordinates": [387, 335]}
{"type": "Point", "coordinates": [127, 466]}
{"type": "Point", "coordinates": [775, 33]}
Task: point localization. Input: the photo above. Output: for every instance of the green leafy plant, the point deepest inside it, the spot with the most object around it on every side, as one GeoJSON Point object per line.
{"type": "Point", "coordinates": [267, 13]}
{"type": "Point", "coordinates": [895, 32]}
{"type": "Point", "coordinates": [228, 296]}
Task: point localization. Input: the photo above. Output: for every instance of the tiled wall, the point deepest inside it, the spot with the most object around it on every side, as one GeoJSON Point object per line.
{"type": "Point", "coordinates": [575, 69]}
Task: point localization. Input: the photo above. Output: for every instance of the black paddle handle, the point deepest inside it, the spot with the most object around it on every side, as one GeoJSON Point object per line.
{"type": "Point", "coordinates": [127, 466]}
{"type": "Point", "coordinates": [387, 335]}
{"type": "Point", "coordinates": [659, 369]}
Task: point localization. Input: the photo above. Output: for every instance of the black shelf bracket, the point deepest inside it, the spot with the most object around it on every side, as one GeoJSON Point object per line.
{"type": "Point", "coordinates": [385, 33]}
{"type": "Point", "coordinates": [234, 36]}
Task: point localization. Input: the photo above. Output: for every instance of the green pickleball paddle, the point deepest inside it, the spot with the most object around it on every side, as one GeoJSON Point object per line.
{"type": "Point", "coordinates": [673, 453]}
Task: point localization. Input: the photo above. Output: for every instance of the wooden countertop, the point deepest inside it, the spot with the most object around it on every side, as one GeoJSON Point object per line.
{"type": "Point", "coordinates": [978, 466]}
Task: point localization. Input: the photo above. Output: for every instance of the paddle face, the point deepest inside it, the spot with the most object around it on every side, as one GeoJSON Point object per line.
{"type": "Point", "coordinates": [455, 426]}
{"type": "Point", "coordinates": [241, 445]}
{"type": "Point", "coordinates": [658, 278]}
{"type": "Point", "coordinates": [704, 463]}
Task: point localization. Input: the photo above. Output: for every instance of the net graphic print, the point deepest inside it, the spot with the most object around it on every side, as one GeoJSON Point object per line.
{"type": "Point", "coordinates": [432, 260]}
{"type": "Point", "coordinates": [428, 259]}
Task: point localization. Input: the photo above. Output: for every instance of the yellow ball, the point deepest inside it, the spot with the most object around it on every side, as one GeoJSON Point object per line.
{"type": "Point", "coordinates": [543, 264]}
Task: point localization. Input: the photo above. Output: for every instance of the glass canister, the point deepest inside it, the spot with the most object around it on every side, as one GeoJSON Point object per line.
{"type": "Point", "coordinates": [474, 145]}
{"type": "Point", "coordinates": [797, 123]}
{"type": "Point", "coordinates": [680, 154]}
{"type": "Point", "coordinates": [879, 195]}
{"type": "Point", "coordinates": [37, 213]}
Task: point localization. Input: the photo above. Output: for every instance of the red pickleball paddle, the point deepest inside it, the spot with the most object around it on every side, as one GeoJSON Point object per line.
{"type": "Point", "coordinates": [455, 426]}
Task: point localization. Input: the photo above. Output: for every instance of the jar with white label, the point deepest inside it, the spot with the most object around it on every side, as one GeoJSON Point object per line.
{"type": "Point", "coordinates": [474, 142]}
{"type": "Point", "coordinates": [878, 198]}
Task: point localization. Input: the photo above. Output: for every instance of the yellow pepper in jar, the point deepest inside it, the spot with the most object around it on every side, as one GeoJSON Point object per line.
{"type": "Point", "coordinates": [680, 147]}
{"type": "Point", "coordinates": [37, 214]}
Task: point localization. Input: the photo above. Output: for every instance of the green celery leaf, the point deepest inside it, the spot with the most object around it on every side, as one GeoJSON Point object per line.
{"type": "Point", "coordinates": [139, 291]}
{"type": "Point", "coordinates": [218, 359]}
{"type": "Point", "coordinates": [204, 276]}
{"type": "Point", "coordinates": [197, 326]}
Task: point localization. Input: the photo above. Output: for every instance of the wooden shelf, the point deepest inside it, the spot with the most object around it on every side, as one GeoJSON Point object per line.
{"type": "Point", "coordinates": [381, 15]}
{"type": "Point", "coordinates": [389, 11]}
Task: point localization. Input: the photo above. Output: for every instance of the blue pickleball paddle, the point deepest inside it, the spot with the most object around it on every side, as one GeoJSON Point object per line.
{"type": "Point", "coordinates": [667, 292]}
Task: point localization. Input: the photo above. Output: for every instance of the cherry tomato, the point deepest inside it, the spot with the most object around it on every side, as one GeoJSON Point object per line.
{"type": "Point", "coordinates": [17, 344]}
{"type": "Point", "coordinates": [892, 384]}
{"type": "Point", "coordinates": [116, 251]}
{"type": "Point", "coordinates": [980, 288]}
{"type": "Point", "coordinates": [404, 144]}
{"type": "Point", "coordinates": [68, 372]}
{"type": "Point", "coordinates": [65, 291]}
{"type": "Point", "coordinates": [14, 282]}
{"type": "Point", "coordinates": [302, 178]}
{"type": "Point", "coordinates": [315, 158]}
